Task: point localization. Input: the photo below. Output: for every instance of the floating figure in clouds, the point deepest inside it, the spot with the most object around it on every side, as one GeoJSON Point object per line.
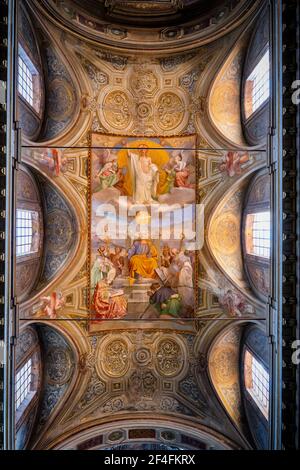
{"type": "Point", "coordinates": [144, 176]}
{"type": "Point", "coordinates": [52, 303]}
{"type": "Point", "coordinates": [53, 161]}
{"type": "Point", "coordinates": [233, 162]}
{"type": "Point", "coordinates": [108, 175]}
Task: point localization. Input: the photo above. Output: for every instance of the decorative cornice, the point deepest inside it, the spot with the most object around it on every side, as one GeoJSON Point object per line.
{"type": "Point", "coordinates": [161, 41]}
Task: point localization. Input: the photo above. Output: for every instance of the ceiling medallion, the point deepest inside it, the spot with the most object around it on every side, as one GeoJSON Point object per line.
{"type": "Point", "coordinates": [169, 357]}
{"type": "Point", "coordinates": [170, 111]}
{"type": "Point", "coordinates": [142, 356]}
{"type": "Point", "coordinates": [116, 109]}
{"type": "Point", "coordinates": [115, 356]}
{"type": "Point", "coordinates": [144, 110]}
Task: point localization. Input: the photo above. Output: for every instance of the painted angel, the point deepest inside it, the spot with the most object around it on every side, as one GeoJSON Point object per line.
{"type": "Point", "coordinates": [232, 301]}
{"type": "Point", "coordinates": [53, 161]}
{"type": "Point", "coordinates": [52, 303]}
{"type": "Point", "coordinates": [182, 172]}
{"type": "Point", "coordinates": [233, 162]}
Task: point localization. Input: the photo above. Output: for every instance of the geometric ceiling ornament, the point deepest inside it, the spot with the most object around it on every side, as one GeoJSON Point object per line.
{"type": "Point", "coordinates": [113, 357]}
{"type": "Point", "coordinates": [116, 109]}
{"type": "Point", "coordinates": [170, 110]}
{"type": "Point", "coordinates": [169, 357]}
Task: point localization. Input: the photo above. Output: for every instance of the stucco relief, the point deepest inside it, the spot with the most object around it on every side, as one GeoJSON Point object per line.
{"type": "Point", "coordinates": [141, 105]}
{"type": "Point", "coordinates": [142, 383]}
{"type": "Point", "coordinates": [60, 230]}
{"type": "Point", "coordinates": [170, 111]}
{"type": "Point", "coordinates": [117, 109]}
{"type": "Point", "coordinates": [115, 358]}
{"type": "Point", "coordinates": [26, 342]}
{"type": "Point", "coordinates": [169, 357]}
{"type": "Point", "coordinates": [225, 233]}
{"type": "Point", "coordinates": [61, 98]}
{"type": "Point", "coordinates": [97, 76]}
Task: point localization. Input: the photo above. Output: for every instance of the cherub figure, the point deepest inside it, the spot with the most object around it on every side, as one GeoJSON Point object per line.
{"type": "Point", "coordinates": [233, 162]}
{"type": "Point", "coordinates": [52, 303]}
{"type": "Point", "coordinates": [53, 161]}
{"type": "Point", "coordinates": [182, 172]}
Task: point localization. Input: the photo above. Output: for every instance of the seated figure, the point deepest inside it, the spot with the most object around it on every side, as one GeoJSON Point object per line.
{"type": "Point", "coordinates": [142, 260]}
{"type": "Point", "coordinates": [166, 301]}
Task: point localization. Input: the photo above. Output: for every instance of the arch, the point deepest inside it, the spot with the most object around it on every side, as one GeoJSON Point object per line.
{"type": "Point", "coordinates": [60, 373]}
{"type": "Point", "coordinates": [257, 199]}
{"type": "Point", "coordinates": [28, 206]}
{"type": "Point", "coordinates": [201, 433]}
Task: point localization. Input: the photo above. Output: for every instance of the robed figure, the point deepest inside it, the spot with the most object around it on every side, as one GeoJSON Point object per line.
{"type": "Point", "coordinates": [144, 176]}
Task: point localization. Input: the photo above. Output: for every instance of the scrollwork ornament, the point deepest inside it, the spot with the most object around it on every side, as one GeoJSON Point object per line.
{"type": "Point", "coordinates": [115, 358]}
{"type": "Point", "coordinates": [169, 358]}
{"type": "Point", "coordinates": [116, 109]}
{"type": "Point", "coordinates": [58, 366]}
{"type": "Point", "coordinates": [170, 111]}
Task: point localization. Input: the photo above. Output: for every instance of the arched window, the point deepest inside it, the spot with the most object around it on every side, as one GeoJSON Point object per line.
{"type": "Point", "coordinates": [258, 234]}
{"type": "Point", "coordinates": [28, 80]}
{"type": "Point", "coordinates": [25, 385]}
{"type": "Point", "coordinates": [257, 86]}
{"type": "Point", "coordinates": [27, 232]}
{"type": "Point", "coordinates": [257, 382]}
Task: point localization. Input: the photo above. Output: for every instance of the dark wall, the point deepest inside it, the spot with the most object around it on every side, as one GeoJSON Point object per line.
{"type": "Point", "coordinates": [257, 343]}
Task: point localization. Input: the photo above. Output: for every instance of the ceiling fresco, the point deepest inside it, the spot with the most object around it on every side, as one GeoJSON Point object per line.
{"type": "Point", "coordinates": [121, 344]}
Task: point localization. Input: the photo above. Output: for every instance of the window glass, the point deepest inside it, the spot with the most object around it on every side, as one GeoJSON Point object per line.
{"type": "Point", "coordinates": [27, 234]}
{"type": "Point", "coordinates": [23, 383]}
{"type": "Point", "coordinates": [27, 75]}
{"type": "Point", "coordinates": [257, 382]}
{"type": "Point", "coordinates": [257, 89]}
{"type": "Point", "coordinates": [258, 234]}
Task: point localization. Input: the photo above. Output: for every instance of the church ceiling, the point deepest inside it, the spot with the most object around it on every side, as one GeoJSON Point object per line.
{"type": "Point", "coordinates": [139, 373]}
{"type": "Point", "coordinates": [122, 369]}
